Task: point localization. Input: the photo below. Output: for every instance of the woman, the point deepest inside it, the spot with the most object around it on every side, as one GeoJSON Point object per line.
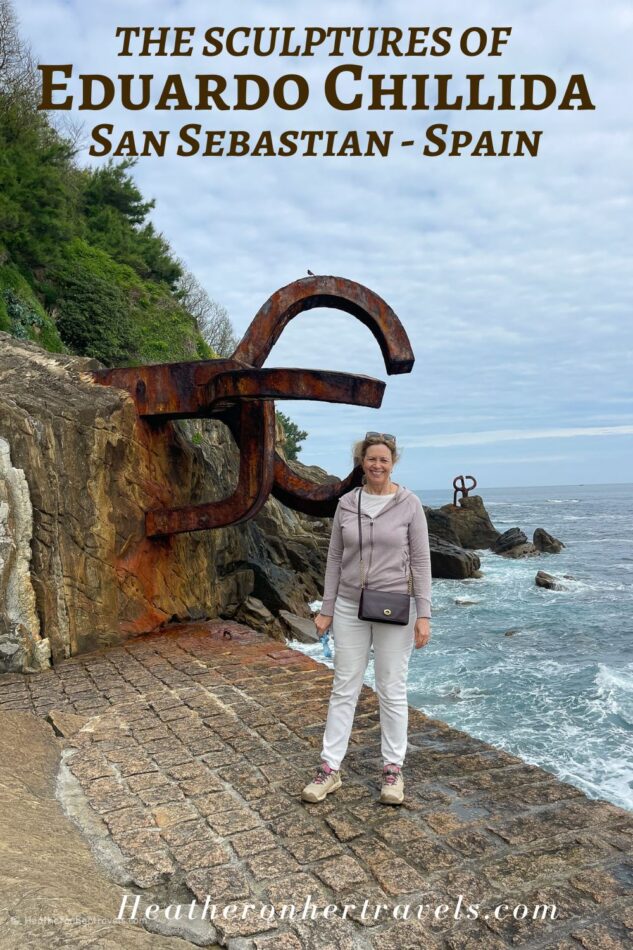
{"type": "Point", "coordinates": [395, 550]}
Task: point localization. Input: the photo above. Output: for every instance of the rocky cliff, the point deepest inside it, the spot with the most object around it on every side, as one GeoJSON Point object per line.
{"type": "Point", "coordinates": [78, 471]}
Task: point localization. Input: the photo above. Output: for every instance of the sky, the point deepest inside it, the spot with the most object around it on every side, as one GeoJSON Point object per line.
{"type": "Point", "coordinates": [512, 276]}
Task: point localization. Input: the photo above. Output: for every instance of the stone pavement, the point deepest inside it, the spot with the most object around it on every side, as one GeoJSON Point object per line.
{"type": "Point", "coordinates": [191, 746]}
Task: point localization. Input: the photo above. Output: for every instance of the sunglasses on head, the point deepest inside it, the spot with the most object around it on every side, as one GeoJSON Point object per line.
{"type": "Point", "coordinates": [385, 436]}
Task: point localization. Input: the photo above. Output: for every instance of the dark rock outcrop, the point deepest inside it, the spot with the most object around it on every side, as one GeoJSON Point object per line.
{"type": "Point", "coordinates": [543, 579]}
{"type": "Point", "coordinates": [467, 524]}
{"type": "Point", "coordinates": [514, 543]}
{"type": "Point", "coordinates": [547, 543]}
{"type": "Point", "coordinates": [449, 560]}
{"type": "Point", "coordinates": [299, 628]}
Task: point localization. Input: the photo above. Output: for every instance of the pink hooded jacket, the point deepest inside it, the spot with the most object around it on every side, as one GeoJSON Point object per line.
{"type": "Point", "coordinates": [395, 543]}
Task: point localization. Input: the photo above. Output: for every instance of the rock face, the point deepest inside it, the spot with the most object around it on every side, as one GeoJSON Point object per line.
{"type": "Point", "coordinates": [545, 542]}
{"type": "Point", "coordinates": [543, 579]}
{"type": "Point", "coordinates": [78, 471]}
{"type": "Point", "coordinates": [90, 469]}
{"type": "Point", "coordinates": [514, 543]}
{"type": "Point", "coordinates": [449, 560]}
{"type": "Point", "coordinates": [21, 646]}
{"type": "Point", "coordinates": [469, 524]}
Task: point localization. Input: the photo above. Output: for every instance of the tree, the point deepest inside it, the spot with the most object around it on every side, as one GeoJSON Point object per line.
{"type": "Point", "coordinates": [18, 75]}
{"type": "Point", "coordinates": [117, 219]}
{"type": "Point", "coordinates": [293, 435]}
{"type": "Point", "coordinates": [211, 317]}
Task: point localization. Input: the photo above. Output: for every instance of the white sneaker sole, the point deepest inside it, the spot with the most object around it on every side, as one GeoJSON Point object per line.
{"type": "Point", "coordinates": [321, 794]}
{"type": "Point", "coordinates": [389, 798]}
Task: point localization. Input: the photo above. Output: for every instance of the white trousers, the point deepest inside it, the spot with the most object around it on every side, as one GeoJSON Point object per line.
{"type": "Point", "coordinates": [392, 644]}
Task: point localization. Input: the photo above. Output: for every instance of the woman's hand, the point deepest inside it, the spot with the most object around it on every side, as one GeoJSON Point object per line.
{"type": "Point", "coordinates": [323, 623]}
{"type": "Point", "coordinates": [422, 632]}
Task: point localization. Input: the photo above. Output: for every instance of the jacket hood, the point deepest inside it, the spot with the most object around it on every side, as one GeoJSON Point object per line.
{"type": "Point", "coordinates": [349, 500]}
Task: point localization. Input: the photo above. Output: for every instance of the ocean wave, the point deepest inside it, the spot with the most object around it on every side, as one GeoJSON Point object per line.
{"type": "Point", "coordinates": [602, 540]}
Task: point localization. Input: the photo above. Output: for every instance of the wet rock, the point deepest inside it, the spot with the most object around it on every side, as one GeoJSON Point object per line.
{"type": "Point", "coordinates": [449, 560]}
{"type": "Point", "coordinates": [253, 613]}
{"type": "Point", "coordinates": [514, 543]}
{"type": "Point", "coordinates": [55, 893]}
{"type": "Point", "coordinates": [22, 648]}
{"type": "Point", "coordinates": [547, 543]}
{"type": "Point", "coordinates": [469, 523]}
{"type": "Point", "coordinates": [65, 723]}
{"type": "Point", "coordinates": [543, 579]}
{"type": "Point", "coordinates": [299, 628]}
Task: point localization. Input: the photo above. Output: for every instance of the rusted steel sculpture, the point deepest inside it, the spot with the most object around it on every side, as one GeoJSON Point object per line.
{"type": "Point", "coordinates": [460, 485]}
{"type": "Point", "coordinates": [240, 393]}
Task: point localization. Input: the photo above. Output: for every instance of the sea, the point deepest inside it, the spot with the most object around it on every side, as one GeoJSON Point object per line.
{"type": "Point", "coordinates": [544, 674]}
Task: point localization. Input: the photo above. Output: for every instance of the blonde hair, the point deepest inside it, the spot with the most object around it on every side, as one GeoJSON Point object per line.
{"type": "Point", "coordinates": [360, 448]}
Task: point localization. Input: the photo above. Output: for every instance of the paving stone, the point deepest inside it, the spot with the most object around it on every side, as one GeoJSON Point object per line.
{"type": "Point", "coordinates": [273, 863]}
{"type": "Point", "coordinates": [344, 826]}
{"type": "Point", "coordinates": [230, 822]}
{"type": "Point", "coordinates": [552, 821]}
{"type": "Point", "coordinates": [473, 844]}
{"type": "Point", "coordinates": [138, 841]}
{"type": "Point", "coordinates": [175, 836]}
{"type": "Point", "coordinates": [601, 885]}
{"type": "Point", "coordinates": [224, 884]}
{"type": "Point", "coordinates": [174, 814]}
{"type": "Point", "coordinates": [280, 941]}
{"type": "Point", "coordinates": [248, 843]}
{"type": "Point", "coordinates": [174, 755]}
{"type": "Point", "coordinates": [407, 935]}
{"type": "Point", "coordinates": [201, 853]}
{"type": "Point", "coordinates": [243, 925]}
{"type": "Point", "coordinates": [313, 847]}
{"type": "Point", "coordinates": [296, 889]}
{"type": "Point", "coordinates": [293, 824]}
{"type": "Point", "coordinates": [216, 802]}
{"type": "Point", "coordinates": [361, 902]}
{"type": "Point", "coordinates": [160, 794]}
{"type": "Point", "coordinates": [151, 870]}
{"type": "Point", "coordinates": [327, 934]}
{"type": "Point", "coordinates": [215, 760]}
{"type": "Point", "coordinates": [128, 819]}
{"type": "Point", "coordinates": [341, 873]}
{"type": "Point", "coordinates": [206, 784]}
{"type": "Point", "coordinates": [218, 722]}
{"type": "Point", "coordinates": [600, 938]}
{"type": "Point", "coordinates": [146, 780]}
{"type": "Point", "coordinates": [516, 869]}
{"type": "Point", "coordinates": [130, 762]}
{"type": "Point", "coordinates": [396, 877]}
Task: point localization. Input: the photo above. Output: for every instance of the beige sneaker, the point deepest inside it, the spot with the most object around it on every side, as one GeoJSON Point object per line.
{"type": "Point", "coordinates": [392, 792]}
{"type": "Point", "coordinates": [323, 783]}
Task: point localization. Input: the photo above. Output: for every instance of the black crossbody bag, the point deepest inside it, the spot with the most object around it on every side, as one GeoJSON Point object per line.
{"type": "Point", "coordinates": [380, 606]}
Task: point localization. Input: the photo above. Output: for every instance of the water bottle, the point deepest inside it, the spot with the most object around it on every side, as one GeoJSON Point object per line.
{"type": "Point", "coordinates": [325, 643]}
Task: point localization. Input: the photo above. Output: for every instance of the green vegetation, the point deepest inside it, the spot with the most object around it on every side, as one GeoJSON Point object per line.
{"type": "Point", "coordinates": [82, 269]}
{"type": "Point", "coordinates": [293, 436]}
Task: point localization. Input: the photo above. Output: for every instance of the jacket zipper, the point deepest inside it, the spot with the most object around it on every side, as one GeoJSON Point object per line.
{"type": "Point", "coordinates": [371, 534]}
{"type": "Point", "coordinates": [371, 547]}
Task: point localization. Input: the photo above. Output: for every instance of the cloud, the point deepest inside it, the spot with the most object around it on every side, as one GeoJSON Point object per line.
{"type": "Point", "coordinates": [511, 276]}
{"type": "Point", "coordinates": [508, 435]}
